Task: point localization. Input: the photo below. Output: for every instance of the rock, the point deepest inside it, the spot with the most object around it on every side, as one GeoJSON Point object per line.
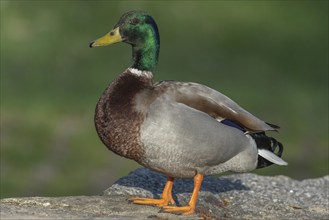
{"type": "Point", "coordinates": [238, 196]}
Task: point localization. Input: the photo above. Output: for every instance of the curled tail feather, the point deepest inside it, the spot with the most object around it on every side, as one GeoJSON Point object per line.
{"type": "Point", "coordinates": [269, 150]}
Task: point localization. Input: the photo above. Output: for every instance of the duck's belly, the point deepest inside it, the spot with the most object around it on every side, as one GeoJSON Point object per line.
{"type": "Point", "coordinates": [180, 141]}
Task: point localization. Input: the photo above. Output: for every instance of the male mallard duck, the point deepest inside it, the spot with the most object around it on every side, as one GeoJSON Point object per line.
{"type": "Point", "coordinates": [183, 130]}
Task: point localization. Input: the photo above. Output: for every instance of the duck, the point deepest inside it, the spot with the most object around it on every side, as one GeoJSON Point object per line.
{"type": "Point", "coordinates": [179, 129]}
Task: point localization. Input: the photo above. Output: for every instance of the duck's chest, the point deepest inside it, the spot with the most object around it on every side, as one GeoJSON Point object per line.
{"type": "Point", "coordinates": [117, 119]}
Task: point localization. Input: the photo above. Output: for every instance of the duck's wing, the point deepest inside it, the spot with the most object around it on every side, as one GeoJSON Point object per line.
{"type": "Point", "coordinates": [213, 103]}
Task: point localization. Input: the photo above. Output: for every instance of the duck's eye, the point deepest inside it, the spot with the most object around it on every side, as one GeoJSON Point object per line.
{"type": "Point", "coordinates": [135, 21]}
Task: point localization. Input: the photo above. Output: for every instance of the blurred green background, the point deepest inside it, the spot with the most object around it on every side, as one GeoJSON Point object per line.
{"type": "Point", "coordinates": [269, 56]}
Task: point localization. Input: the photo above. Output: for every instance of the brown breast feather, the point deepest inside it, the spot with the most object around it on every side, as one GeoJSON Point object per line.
{"type": "Point", "coordinates": [116, 119]}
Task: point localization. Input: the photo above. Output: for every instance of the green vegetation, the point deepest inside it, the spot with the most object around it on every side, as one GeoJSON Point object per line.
{"type": "Point", "coordinates": [269, 56]}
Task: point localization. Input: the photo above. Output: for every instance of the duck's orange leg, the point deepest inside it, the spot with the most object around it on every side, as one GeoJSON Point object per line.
{"type": "Point", "coordinates": [190, 208]}
{"type": "Point", "coordinates": [165, 199]}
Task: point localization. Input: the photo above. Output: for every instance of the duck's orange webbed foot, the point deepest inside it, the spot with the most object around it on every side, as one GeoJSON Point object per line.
{"type": "Point", "coordinates": [148, 201]}
{"type": "Point", "coordinates": [180, 210]}
{"type": "Point", "coordinates": [190, 208]}
{"type": "Point", "coordinates": [164, 201]}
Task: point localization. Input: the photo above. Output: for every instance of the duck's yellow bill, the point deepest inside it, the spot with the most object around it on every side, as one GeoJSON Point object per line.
{"type": "Point", "coordinates": [110, 38]}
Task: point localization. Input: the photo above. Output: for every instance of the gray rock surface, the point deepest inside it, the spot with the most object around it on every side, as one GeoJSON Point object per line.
{"type": "Point", "coordinates": [238, 196]}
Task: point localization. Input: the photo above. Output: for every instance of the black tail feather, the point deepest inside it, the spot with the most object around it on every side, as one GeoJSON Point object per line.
{"type": "Point", "coordinates": [268, 143]}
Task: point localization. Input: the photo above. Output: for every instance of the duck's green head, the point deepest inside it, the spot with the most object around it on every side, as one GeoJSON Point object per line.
{"type": "Point", "coordinates": [140, 30]}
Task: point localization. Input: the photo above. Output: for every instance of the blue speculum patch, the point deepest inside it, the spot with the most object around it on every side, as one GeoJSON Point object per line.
{"type": "Point", "coordinates": [233, 124]}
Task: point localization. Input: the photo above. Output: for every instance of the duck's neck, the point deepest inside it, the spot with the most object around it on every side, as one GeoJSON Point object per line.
{"type": "Point", "coordinates": [145, 55]}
